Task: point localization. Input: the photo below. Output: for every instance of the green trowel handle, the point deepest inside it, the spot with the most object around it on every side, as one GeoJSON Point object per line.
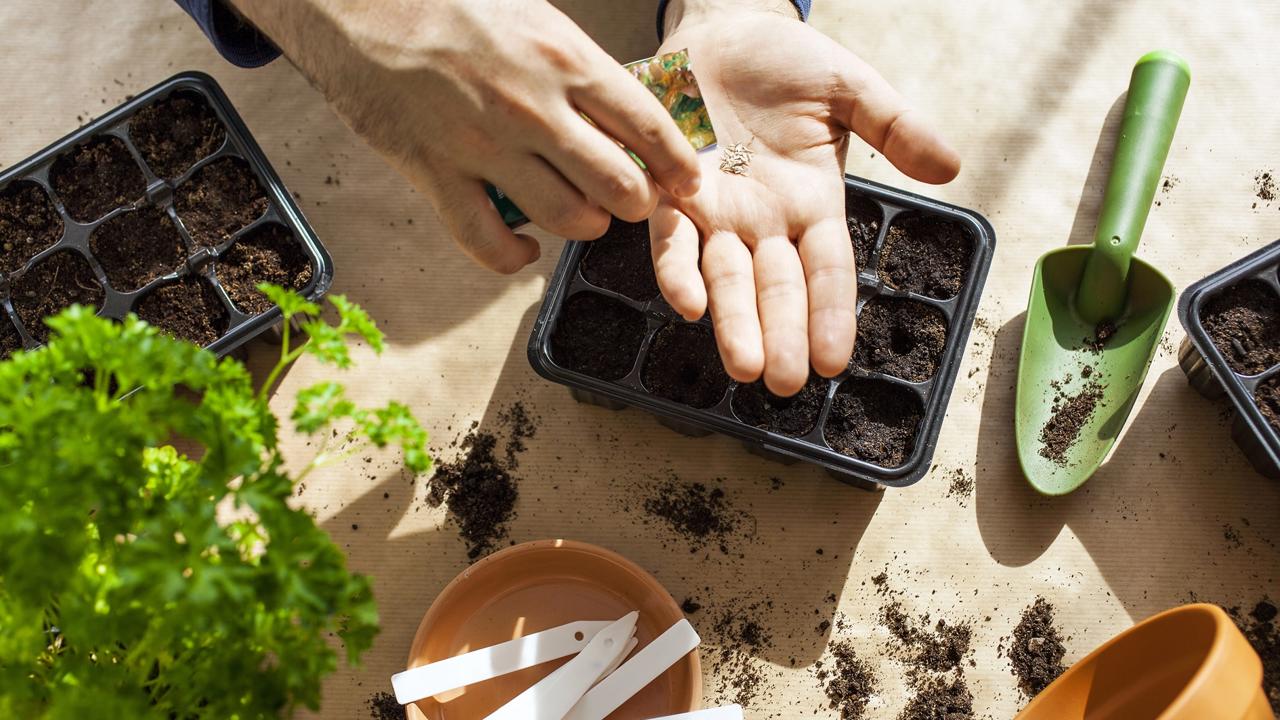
{"type": "Point", "coordinates": [1156, 91]}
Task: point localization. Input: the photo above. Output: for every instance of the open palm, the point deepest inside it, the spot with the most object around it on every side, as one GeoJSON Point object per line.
{"type": "Point", "coordinates": [768, 251]}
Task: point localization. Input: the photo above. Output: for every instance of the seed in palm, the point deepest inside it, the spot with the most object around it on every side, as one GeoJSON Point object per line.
{"type": "Point", "coordinates": [736, 159]}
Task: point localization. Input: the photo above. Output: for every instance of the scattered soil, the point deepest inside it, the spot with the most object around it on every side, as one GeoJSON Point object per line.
{"type": "Point", "coordinates": [268, 254]}
{"type": "Point", "coordinates": [136, 247]}
{"type": "Point", "coordinates": [97, 177]}
{"type": "Point", "coordinates": [620, 261]}
{"type": "Point", "coordinates": [1102, 332]}
{"type": "Point", "coordinates": [57, 282]}
{"type": "Point", "coordinates": [188, 310]}
{"type": "Point", "coordinates": [900, 337]}
{"type": "Point", "coordinates": [10, 340]}
{"type": "Point", "coordinates": [218, 200]}
{"type": "Point", "coordinates": [1264, 186]}
{"type": "Point", "coordinates": [793, 416]}
{"type": "Point", "coordinates": [597, 336]}
{"type": "Point", "coordinates": [938, 697]}
{"type": "Point", "coordinates": [939, 649]}
{"type": "Point", "coordinates": [1037, 649]}
{"type": "Point", "coordinates": [850, 684]}
{"type": "Point", "coordinates": [698, 514]}
{"type": "Point", "coordinates": [176, 132]}
{"type": "Point", "coordinates": [962, 485]}
{"type": "Point", "coordinates": [1267, 397]}
{"type": "Point", "coordinates": [741, 637]}
{"type": "Point", "coordinates": [863, 216]}
{"type": "Point", "coordinates": [926, 255]}
{"type": "Point", "coordinates": [1070, 414]}
{"type": "Point", "coordinates": [873, 420]}
{"type": "Point", "coordinates": [384, 706]}
{"type": "Point", "coordinates": [1243, 321]}
{"type": "Point", "coordinates": [479, 488]}
{"type": "Point", "coordinates": [1259, 626]}
{"type": "Point", "coordinates": [28, 224]}
{"type": "Point", "coordinates": [683, 365]}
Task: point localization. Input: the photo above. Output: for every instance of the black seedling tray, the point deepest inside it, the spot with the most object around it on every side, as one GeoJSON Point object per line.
{"type": "Point", "coordinates": [1210, 373]}
{"type": "Point", "coordinates": [932, 394]}
{"type": "Point", "coordinates": [200, 259]}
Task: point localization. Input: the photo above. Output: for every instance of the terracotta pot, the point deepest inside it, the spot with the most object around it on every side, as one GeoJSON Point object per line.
{"type": "Point", "coordinates": [1188, 663]}
{"type": "Point", "coordinates": [539, 585]}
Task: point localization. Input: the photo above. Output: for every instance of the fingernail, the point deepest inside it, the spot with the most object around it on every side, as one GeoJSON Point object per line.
{"type": "Point", "coordinates": [689, 187]}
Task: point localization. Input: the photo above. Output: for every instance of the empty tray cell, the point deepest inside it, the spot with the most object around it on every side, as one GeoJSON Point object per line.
{"type": "Point", "coordinates": [175, 133]}
{"type": "Point", "coordinates": [793, 416]}
{"type": "Point", "coordinates": [926, 255]}
{"type": "Point", "coordinates": [864, 217]}
{"type": "Point", "coordinates": [621, 261]}
{"type": "Point", "coordinates": [900, 337]}
{"type": "Point", "coordinates": [683, 365]}
{"type": "Point", "coordinates": [10, 341]}
{"type": "Point", "coordinates": [1267, 398]}
{"type": "Point", "coordinates": [873, 420]}
{"type": "Point", "coordinates": [597, 336]}
{"type": "Point", "coordinates": [56, 282]}
{"type": "Point", "coordinates": [28, 224]}
{"type": "Point", "coordinates": [220, 199]}
{"type": "Point", "coordinates": [188, 310]}
{"type": "Point", "coordinates": [97, 177]}
{"type": "Point", "coordinates": [269, 254]}
{"type": "Point", "coordinates": [1243, 321]}
{"type": "Point", "coordinates": [137, 247]}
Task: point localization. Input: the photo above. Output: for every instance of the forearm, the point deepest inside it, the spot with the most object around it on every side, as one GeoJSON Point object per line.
{"type": "Point", "coordinates": [680, 12]}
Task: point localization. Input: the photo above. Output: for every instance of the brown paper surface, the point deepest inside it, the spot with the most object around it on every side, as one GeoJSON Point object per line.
{"type": "Point", "coordinates": [1028, 93]}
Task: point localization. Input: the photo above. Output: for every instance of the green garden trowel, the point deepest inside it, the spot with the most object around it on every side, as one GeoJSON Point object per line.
{"type": "Point", "coordinates": [1096, 314]}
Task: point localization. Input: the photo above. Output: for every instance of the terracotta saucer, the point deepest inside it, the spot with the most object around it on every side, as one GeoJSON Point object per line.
{"type": "Point", "coordinates": [539, 585]}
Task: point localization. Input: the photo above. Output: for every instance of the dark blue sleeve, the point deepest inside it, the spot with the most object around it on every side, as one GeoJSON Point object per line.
{"type": "Point", "coordinates": [802, 7]}
{"type": "Point", "coordinates": [238, 41]}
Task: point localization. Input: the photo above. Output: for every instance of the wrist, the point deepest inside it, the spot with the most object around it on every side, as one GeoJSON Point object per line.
{"type": "Point", "coordinates": [687, 13]}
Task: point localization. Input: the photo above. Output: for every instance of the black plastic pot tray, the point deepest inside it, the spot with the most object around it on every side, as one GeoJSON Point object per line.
{"type": "Point", "coordinates": [201, 259]}
{"type": "Point", "coordinates": [932, 394]}
{"type": "Point", "coordinates": [1210, 373]}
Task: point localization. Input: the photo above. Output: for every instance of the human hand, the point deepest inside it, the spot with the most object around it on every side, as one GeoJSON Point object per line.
{"type": "Point", "coordinates": [777, 266]}
{"type": "Point", "coordinates": [459, 92]}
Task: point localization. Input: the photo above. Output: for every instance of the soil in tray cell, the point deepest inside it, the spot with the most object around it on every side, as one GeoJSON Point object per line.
{"type": "Point", "coordinates": [926, 255]}
{"type": "Point", "coordinates": [792, 416]}
{"type": "Point", "coordinates": [28, 224]}
{"type": "Point", "coordinates": [96, 178]}
{"type": "Point", "coordinates": [900, 337]}
{"type": "Point", "coordinates": [874, 420]}
{"type": "Point", "coordinates": [683, 365]}
{"type": "Point", "coordinates": [176, 132]}
{"type": "Point", "coordinates": [220, 199]}
{"type": "Point", "coordinates": [864, 218]}
{"type": "Point", "coordinates": [136, 247]}
{"type": "Point", "coordinates": [268, 254]}
{"type": "Point", "coordinates": [597, 336]}
{"type": "Point", "coordinates": [188, 310]}
{"type": "Point", "coordinates": [620, 261]}
{"type": "Point", "coordinates": [57, 282]}
{"type": "Point", "coordinates": [10, 341]}
{"type": "Point", "coordinates": [1267, 397]}
{"type": "Point", "coordinates": [1244, 322]}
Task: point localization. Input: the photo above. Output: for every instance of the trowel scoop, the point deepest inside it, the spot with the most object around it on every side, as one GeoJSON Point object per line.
{"type": "Point", "coordinates": [1096, 313]}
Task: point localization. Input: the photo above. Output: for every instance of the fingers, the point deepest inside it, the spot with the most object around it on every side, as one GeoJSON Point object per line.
{"type": "Point", "coordinates": [731, 293]}
{"type": "Point", "coordinates": [624, 109]}
{"type": "Point", "coordinates": [603, 171]}
{"type": "Point", "coordinates": [465, 209]}
{"type": "Point", "coordinates": [827, 256]}
{"type": "Point", "coordinates": [673, 240]}
{"type": "Point", "coordinates": [780, 294]}
{"type": "Point", "coordinates": [551, 202]}
{"type": "Point", "coordinates": [870, 107]}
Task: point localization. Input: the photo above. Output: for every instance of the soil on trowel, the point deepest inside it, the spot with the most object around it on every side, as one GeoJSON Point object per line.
{"type": "Point", "coordinates": [597, 336]}
{"type": "Point", "coordinates": [1069, 415]}
{"type": "Point", "coordinates": [220, 199]}
{"type": "Point", "coordinates": [699, 515]}
{"type": "Point", "coordinates": [269, 254]}
{"type": "Point", "coordinates": [59, 281]}
{"type": "Point", "coordinates": [188, 310]}
{"type": "Point", "coordinates": [791, 416]}
{"type": "Point", "coordinates": [479, 488]}
{"type": "Point", "coordinates": [683, 365]}
{"type": "Point", "coordinates": [97, 177]}
{"type": "Point", "coordinates": [137, 247]}
{"type": "Point", "coordinates": [1259, 626]}
{"type": "Point", "coordinates": [926, 255]}
{"type": "Point", "coordinates": [1036, 651]}
{"type": "Point", "coordinates": [873, 420]}
{"type": "Point", "coordinates": [863, 217]}
{"type": "Point", "coordinates": [1102, 333]}
{"type": "Point", "coordinates": [1267, 397]}
{"type": "Point", "coordinates": [1243, 321]}
{"type": "Point", "coordinates": [620, 261]}
{"type": "Point", "coordinates": [28, 224]}
{"type": "Point", "coordinates": [174, 133]}
{"type": "Point", "coordinates": [850, 683]}
{"type": "Point", "coordinates": [900, 337]}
